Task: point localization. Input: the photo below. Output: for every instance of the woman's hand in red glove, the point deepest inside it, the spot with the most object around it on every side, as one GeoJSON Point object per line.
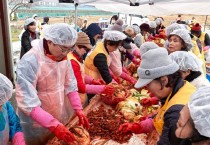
{"type": "Point", "coordinates": [149, 101]}
{"type": "Point", "coordinates": [144, 126]}
{"type": "Point", "coordinates": [136, 61]}
{"type": "Point", "coordinates": [62, 133]}
{"type": "Point", "coordinates": [98, 82]}
{"type": "Point", "coordinates": [82, 119]}
{"type": "Point", "coordinates": [108, 90]}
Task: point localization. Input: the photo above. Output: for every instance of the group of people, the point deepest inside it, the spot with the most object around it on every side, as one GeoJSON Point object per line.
{"type": "Point", "coordinates": [59, 74]}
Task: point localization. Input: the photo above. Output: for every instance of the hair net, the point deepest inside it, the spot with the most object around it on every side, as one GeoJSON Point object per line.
{"type": "Point", "coordinates": [124, 26]}
{"type": "Point", "coordinates": [186, 60]}
{"type": "Point", "coordinates": [6, 88]}
{"type": "Point", "coordinates": [152, 24]}
{"type": "Point", "coordinates": [114, 35]}
{"type": "Point", "coordinates": [172, 27]}
{"type": "Point", "coordinates": [28, 21]}
{"type": "Point", "coordinates": [136, 29]}
{"type": "Point", "coordinates": [35, 15]}
{"type": "Point", "coordinates": [200, 110]}
{"type": "Point", "coordinates": [147, 46]}
{"type": "Point", "coordinates": [184, 34]}
{"type": "Point", "coordinates": [184, 26]}
{"type": "Point", "coordinates": [158, 21]}
{"type": "Point", "coordinates": [61, 34]}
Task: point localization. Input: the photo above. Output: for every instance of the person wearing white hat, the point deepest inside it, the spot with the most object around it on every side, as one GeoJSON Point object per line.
{"type": "Point", "coordinates": [98, 60]}
{"type": "Point", "coordinates": [10, 128]}
{"type": "Point", "coordinates": [38, 24]}
{"type": "Point", "coordinates": [85, 83]}
{"type": "Point", "coordinates": [194, 122]}
{"type": "Point", "coordinates": [46, 87]}
{"type": "Point", "coordinates": [29, 35]}
{"type": "Point", "coordinates": [160, 76]}
{"type": "Point", "coordinates": [190, 68]}
{"type": "Point", "coordinates": [179, 40]}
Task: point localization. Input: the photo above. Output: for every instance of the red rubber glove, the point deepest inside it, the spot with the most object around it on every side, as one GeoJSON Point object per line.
{"type": "Point", "coordinates": [62, 133]}
{"type": "Point", "coordinates": [82, 119]}
{"type": "Point", "coordinates": [136, 61]}
{"type": "Point", "coordinates": [128, 78]}
{"type": "Point", "coordinates": [149, 101]}
{"type": "Point", "coordinates": [125, 71]}
{"type": "Point", "coordinates": [145, 126]}
{"type": "Point", "coordinates": [108, 90]}
{"type": "Point", "coordinates": [98, 82]}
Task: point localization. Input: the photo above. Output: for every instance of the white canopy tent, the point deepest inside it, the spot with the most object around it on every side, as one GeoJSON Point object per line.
{"type": "Point", "coordinates": [159, 7]}
{"type": "Point", "coordinates": [148, 7]}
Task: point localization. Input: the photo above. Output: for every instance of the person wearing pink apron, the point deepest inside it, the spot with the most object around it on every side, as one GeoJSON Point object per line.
{"type": "Point", "coordinates": [46, 88]}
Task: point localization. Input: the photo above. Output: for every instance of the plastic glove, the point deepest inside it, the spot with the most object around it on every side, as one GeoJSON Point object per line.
{"type": "Point", "coordinates": [128, 78]}
{"type": "Point", "coordinates": [48, 121]}
{"type": "Point", "coordinates": [100, 89]}
{"type": "Point", "coordinates": [125, 71]}
{"type": "Point", "coordinates": [136, 53]}
{"type": "Point", "coordinates": [108, 90]}
{"type": "Point", "coordinates": [206, 48]}
{"type": "Point", "coordinates": [82, 119]}
{"type": "Point", "coordinates": [98, 82]}
{"type": "Point", "coordinates": [149, 101]}
{"type": "Point", "coordinates": [62, 133]}
{"type": "Point", "coordinates": [18, 139]}
{"type": "Point", "coordinates": [145, 126]}
{"type": "Point", "coordinates": [136, 61]}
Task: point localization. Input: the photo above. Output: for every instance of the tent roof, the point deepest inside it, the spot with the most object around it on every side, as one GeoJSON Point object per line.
{"type": "Point", "coordinates": [159, 8]}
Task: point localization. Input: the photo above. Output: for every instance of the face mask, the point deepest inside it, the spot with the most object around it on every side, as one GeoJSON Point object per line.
{"type": "Point", "coordinates": [2, 121]}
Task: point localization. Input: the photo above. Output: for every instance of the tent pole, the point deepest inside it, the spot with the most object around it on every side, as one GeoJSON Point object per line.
{"type": "Point", "coordinates": [205, 22]}
{"type": "Point", "coordinates": [76, 16]}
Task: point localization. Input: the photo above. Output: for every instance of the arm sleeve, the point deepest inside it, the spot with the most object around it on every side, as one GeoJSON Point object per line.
{"type": "Point", "coordinates": [170, 119]}
{"type": "Point", "coordinates": [26, 93]}
{"type": "Point", "coordinates": [25, 42]}
{"type": "Point", "coordinates": [116, 64]}
{"type": "Point", "coordinates": [78, 75]}
{"type": "Point", "coordinates": [14, 121]}
{"type": "Point", "coordinates": [128, 55]}
{"type": "Point", "coordinates": [100, 62]}
{"type": "Point", "coordinates": [207, 39]}
{"type": "Point", "coordinates": [70, 81]}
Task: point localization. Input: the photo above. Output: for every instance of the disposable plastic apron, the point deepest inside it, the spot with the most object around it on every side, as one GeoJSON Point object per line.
{"type": "Point", "coordinates": [83, 96]}
{"type": "Point", "coordinates": [50, 90]}
{"type": "Point", "coordinates": [4, 134]}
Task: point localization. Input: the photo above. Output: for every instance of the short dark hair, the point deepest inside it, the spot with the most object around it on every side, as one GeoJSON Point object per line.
{"type": "Point", "coordinates": [112, 43]}
{"type": "Point", "coordinates": [115, 17]}
{"type": "Point", "coordinates": [172, 79]}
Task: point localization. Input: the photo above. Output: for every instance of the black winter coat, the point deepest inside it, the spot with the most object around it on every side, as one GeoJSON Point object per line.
{"type": "Point", "coordinates": [26, 42]}
{"type": "Point", "coordinates": [171, 117]}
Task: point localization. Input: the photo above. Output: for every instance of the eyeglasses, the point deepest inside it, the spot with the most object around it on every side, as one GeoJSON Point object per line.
{"type": "Point", "coordinates": [65, 49]}
{"type": "Point", "coordinates": [84, 47]}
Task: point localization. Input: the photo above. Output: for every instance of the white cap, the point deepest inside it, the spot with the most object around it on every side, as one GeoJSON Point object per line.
{"type": "Point", "coordinates": [200, 110]}
{"type": "Point", "coordinates": [6, 88]}
{"type": "Point", "coordinates": [61, 34]}
{"type": "Point", "coordinates": [186, 61]}
{"type": "Point", "coordinates": [28, 21]}
{"type": "Point", "coordinates": [184, 34]}
{"type": "Point", "coordinates": [114, 35]}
